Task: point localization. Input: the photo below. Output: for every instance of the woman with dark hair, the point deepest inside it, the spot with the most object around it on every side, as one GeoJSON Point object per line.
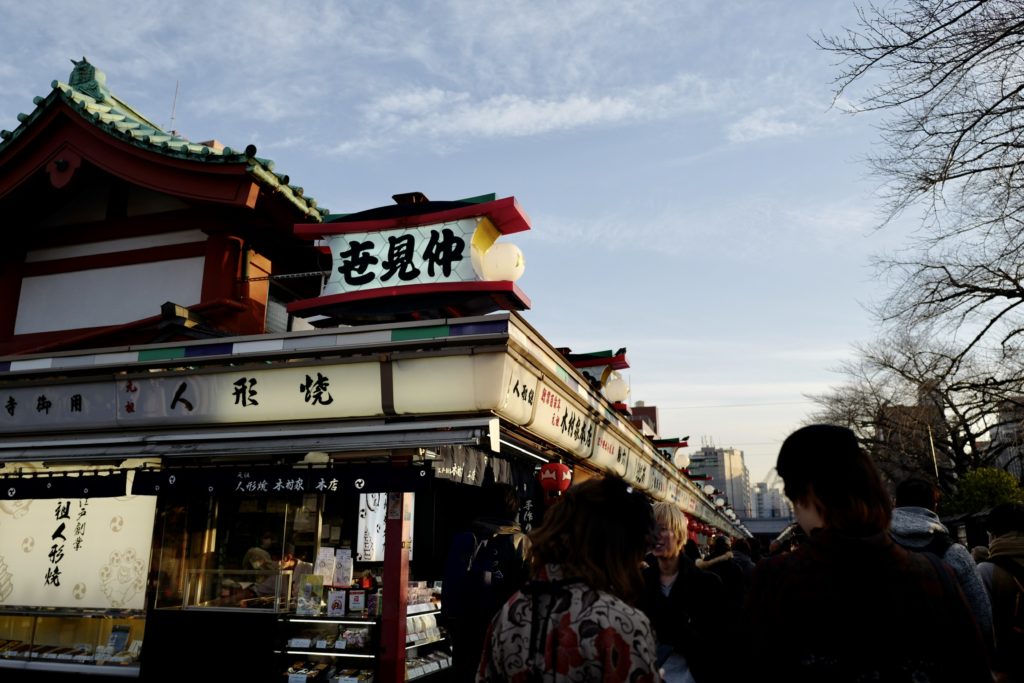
{"type": "Point", "coordinates": [849, 604]}
{"type": "Point", "coordinates": [574, 620]}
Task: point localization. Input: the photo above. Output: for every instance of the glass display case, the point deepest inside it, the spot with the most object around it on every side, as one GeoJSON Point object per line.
{"type": "Point", "coordinates": [344, 649]}
{"type": "Point", "coordinates": [330, 648]}
{"type": "Point", "coordinates": [248, 589]}
{"type": "Point", "coordinates": [101, 642]}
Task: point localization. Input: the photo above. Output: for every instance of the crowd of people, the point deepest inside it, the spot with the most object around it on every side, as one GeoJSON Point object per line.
{"type": "Point", "coordinates": [864, 586]}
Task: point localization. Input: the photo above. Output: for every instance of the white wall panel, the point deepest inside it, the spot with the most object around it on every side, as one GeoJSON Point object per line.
{"type": "Point", "coordinates": [106, 296]}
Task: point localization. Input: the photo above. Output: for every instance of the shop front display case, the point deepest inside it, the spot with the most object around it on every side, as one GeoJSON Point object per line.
{"type": "Point", "coordinates": [427, 651]}
{"type": "Point", "coordinates": [345, 649]}
{"type": "Point", "coordinates": [267, 590]}
{"type": "Point", "coordinates": [105, 643]}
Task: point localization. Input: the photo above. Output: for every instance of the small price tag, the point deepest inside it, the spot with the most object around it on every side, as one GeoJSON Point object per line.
{"type": "Point", "coordinates": [322, 644]}
{"type": "Point", "coordinates": [296, 678]}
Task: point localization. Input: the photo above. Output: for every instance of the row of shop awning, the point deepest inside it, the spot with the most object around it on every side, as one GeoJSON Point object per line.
{"type": "Point", "coordinates": [256, 440]}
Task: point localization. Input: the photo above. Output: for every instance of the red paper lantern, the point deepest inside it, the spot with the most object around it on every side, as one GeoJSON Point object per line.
{"type": "Point", "coordinates": [554, 478]}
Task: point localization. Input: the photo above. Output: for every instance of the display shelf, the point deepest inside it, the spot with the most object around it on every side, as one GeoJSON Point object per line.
{"type": "Point", "coordinates": [419, 668]}
{"type": "Point", "coordinates": [99, 642]}
{"type": "Point", "coordinates": [423, 608]}
{"type": "Point", "coordinates": [412, 644]}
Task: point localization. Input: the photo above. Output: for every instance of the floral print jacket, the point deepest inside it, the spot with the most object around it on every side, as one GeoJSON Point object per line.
{"type": "Point", "coordinates": [561, 630]}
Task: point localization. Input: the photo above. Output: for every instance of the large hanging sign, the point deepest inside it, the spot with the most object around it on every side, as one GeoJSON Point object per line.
{"type": "Point", "coordinates": [83, 553]}
{"type": "Point", "coordinates": [426, 254]}
{"type": "Point", "coordinates": [420, 259]}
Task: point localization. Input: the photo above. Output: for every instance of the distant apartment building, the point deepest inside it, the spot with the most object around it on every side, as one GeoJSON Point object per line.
{"type": "Point", "coordinates": [729, 474]}
{"type": "Point", "coordinates": [909, 439]}
{"type": "Point", "coordinates": [770, 502]}
{"type": "Point", "coordinates": [645, 418]}
{"type": "Point", "coordinates": [1007, 442]}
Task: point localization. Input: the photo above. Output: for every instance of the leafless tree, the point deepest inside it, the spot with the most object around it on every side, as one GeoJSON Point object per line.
{"type": "Point", "coordinates": [948, 78]}
{"type": "Point", "coordinates": [921, 410]}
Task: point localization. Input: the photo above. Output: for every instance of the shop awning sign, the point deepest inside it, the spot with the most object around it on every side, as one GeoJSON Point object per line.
{"type": "Point", "coordinates": [48, 486]}
{"type": "Point", "coordinates": [269, 481]}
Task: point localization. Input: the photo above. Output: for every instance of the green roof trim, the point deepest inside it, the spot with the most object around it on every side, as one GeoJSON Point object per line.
{"type": "Point", "coordinates": [87, 93]}
{"type": "Point", "coordinates": [161, 354]}
{"type": "Point", "coordinates": [412, 333]}
{"type": "Point", "coordinates": [480, 199]}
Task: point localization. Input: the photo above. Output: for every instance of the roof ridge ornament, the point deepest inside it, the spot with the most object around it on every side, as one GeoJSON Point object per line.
{"type": "Point", "coordinates": [89, 80]}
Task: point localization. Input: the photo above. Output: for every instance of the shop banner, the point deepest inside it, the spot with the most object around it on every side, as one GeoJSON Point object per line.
{"type": "Point", "coordinates": [466, 465]}
{"type": "Point", "coordinates": [111, 484]}
{"type": "Point", "coordinates": [373, 515]}
{"type": "Point", "coordinates": [256, 481]}
{"type": "Point", "coordinates": [81, 553]}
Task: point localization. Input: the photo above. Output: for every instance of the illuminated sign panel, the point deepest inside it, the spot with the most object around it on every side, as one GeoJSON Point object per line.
{"type": "Point", "coordinates": [426, 254]}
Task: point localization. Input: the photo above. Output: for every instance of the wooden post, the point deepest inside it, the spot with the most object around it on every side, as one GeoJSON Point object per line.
{"type": "Point", "coordinates": [397, 537]}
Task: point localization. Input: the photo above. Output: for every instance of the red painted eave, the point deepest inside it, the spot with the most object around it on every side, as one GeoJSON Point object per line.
{"type": "Point", "coordinates": [506, 215]}
{"type": "Point", "coordinates": [61, 131]}
{"type": "Point", "coordinates": [416, 302]}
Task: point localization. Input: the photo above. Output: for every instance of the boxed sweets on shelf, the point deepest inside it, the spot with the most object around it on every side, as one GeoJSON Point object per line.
{"type": "Point", "coordinates": [353, 676]}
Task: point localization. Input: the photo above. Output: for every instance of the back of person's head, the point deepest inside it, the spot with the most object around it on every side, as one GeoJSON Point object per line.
{"type": "Point", "coordinates": [824, 464]}
{"type": "Point", "coordinates": [740, 545]}
{"type": "Point", "coordinates": [672, 518]}
{"type": "Point", "coordinates": [1005, 518]}
{"type": "Point", "coordinates": [691, 549]}
{"type": "Point", "coordinates": [980, 553]}
{"type": "Point", "coordinates": [599, 531]}
{"type": "Point", "coordinates": [719, 546]}
{"type": "Point", "coordinates": [503, 501]}
{"type": "Point", "coordinates": [917, 492]}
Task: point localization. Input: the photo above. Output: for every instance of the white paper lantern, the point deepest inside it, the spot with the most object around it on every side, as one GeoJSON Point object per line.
{"type": "Point", "coordinates": [680, 459]}
{"type": "Point", "coordinates": [503, 262]}
{"type": "Point", "coordinates": [616, 389]}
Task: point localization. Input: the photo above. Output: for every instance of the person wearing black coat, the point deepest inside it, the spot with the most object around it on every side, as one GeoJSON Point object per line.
{"type": "Point", "coordinates": [720, 561]}
{"type": "Point", "coordinates": [686, 605]}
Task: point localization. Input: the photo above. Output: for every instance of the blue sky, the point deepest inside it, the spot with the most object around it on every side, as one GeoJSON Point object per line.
{"type": "Point", "coordinates": [694, 196]}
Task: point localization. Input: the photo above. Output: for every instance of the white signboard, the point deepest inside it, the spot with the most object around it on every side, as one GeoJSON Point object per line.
{"type": "Point", "coordinates": [299, 393]}
{"type": "Point", "coordinates": [559, 420]}
{"type": "Point", "coordinates": [610, 453]}
{"type": "Point", "coordinates": [81, 553]}
{"type": "Point", "coordinates": [426, 254]}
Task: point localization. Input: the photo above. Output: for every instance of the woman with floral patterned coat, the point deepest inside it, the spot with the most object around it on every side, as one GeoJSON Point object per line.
{"type": "Point", "coordinates": [574, 621]}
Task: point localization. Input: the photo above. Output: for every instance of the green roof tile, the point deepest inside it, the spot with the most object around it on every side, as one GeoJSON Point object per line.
{"type": "Point", "coordinates": [86, 92]}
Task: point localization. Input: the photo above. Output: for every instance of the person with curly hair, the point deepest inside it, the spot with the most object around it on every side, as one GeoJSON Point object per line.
{"type": "Point", "coordinates": [575, 619]}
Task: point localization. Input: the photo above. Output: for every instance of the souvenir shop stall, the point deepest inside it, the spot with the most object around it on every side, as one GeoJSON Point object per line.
{"type": "Point", "coordinates": [211, 468]}
{"type": "Point", "coordinates": [408, 421]}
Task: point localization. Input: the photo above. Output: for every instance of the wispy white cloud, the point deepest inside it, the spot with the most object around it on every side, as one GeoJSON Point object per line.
{"type": "Point", "coordinates": [763, 123]}
{"type": "Point", "coordinates": [438, 114]}
{"type": "Point", "coordinates": [750, 227]}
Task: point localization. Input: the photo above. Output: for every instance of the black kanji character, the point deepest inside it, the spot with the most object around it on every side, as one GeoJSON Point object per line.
{"type": "Point", "coordinates": [355, 261]}
{"type": "Point", "coordinates": [443, 249]}
{"type": "Point", "coordinates": [400, 253]}
{"type": "Point", "coordinates": [178, 398]}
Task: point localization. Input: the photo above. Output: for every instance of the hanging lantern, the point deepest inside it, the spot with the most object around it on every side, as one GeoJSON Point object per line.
{"type": "Point", "coordinates": [554, 478]}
